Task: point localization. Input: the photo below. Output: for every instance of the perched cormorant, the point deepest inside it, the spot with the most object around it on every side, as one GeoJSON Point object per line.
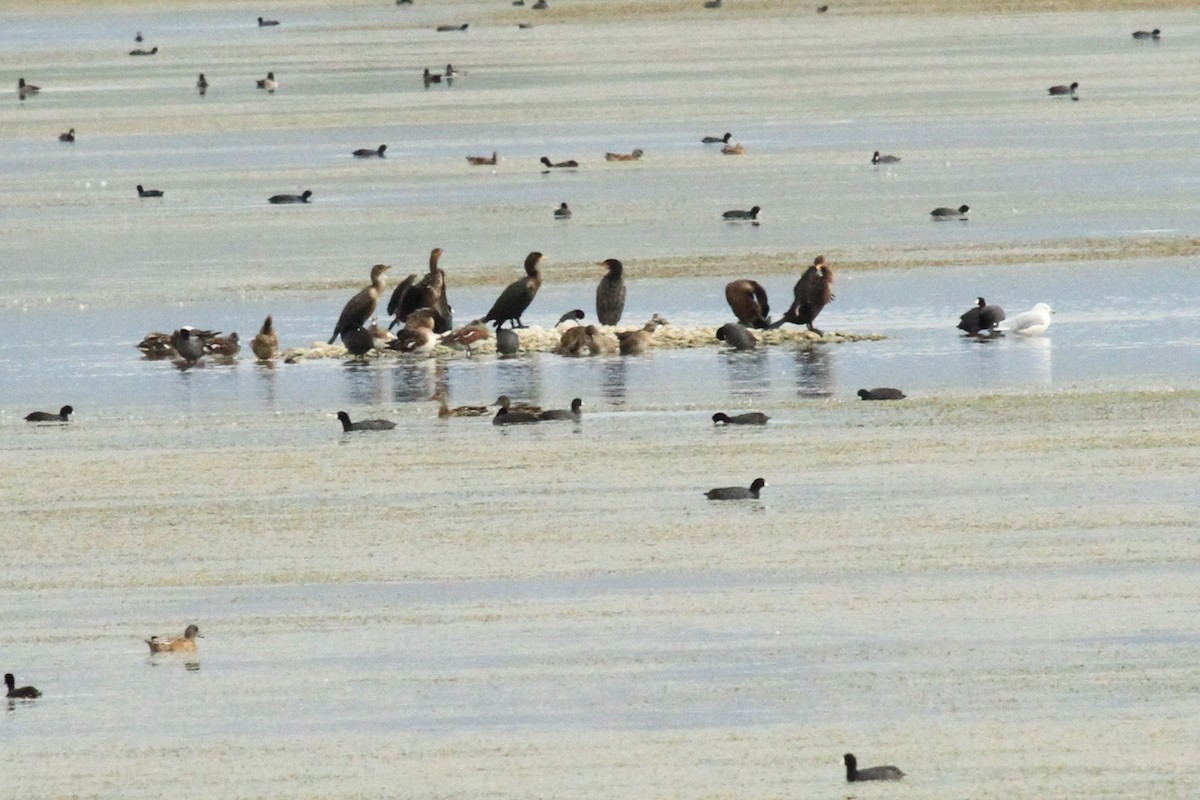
{"type": "Point", "coordinates": [736, 336]}
{"type": "Point", "coordinates": [749, 418]}
{"type": "Point", "coordinates": [881, 393]}
{"type": "Point", "coordinates": [266, 343]}
{"type": "Point", "coordinates": [364, 424]}
{"type": "Point", "coordinates": [557, 413]}
{"type": "Point", "coordinates": [49, 416]}
{"type": "Point", "coordinates": [428, 291]}
{"type": "Point", "coordinates": [811, 293]}
{"type": "Point", "coordinates": [737, 492]}
{"type": "Point", "coordinates": [610, 293]}
{"type": "Point", "coordinates": [854, 774]}
{"type": "Point", "coordinates": [358, 309]}
{"type": "Point", "coordinates": [366, 152]}
{"type": "Point", "coordinates": [517, 296]}
{"type": "Point", "coordinates": [175, 644]}
{"type": "Point", "coordinates": [23, 693]}
{"type": "Point", "coordinates": [748, 299]}
{"type": "Point", "coordinates": [283, 199]}
{"type": "Point", "coordinates": [982, 318]}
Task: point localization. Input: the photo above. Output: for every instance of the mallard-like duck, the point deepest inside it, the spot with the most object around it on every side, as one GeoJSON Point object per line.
{"type": "Point", "coordinates": [445, 411]}
{"type": "Point", "coordinates": [266, 342]}
{"type": "Point", "coordinates": [504, 402]}
{"type": "Point", "coordinates": [176, 644]}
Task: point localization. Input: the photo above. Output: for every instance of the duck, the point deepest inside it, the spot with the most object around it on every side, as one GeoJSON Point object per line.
{"type": "Point", "coordinates": [452, 73]}
{"type": "Point", "coordinates": [881, 159]}
{"type": "Point", "coordinates": [153, 51]}
{"type": "Point", "coordinates": [600, 343]}
{"type": "Point", "coordinates": [448, 28]}
{"type": "Point", "coordinates": [202, 84]}
{"type": "Point", "coordinates": [748, 300]}
{"type": "Point", "coordinates": [1154, 34]}
{"type": "Point", "coordinates": [507, 342]}
{"type": "Point", "coordinates": [68, 137]}
{"type": "Point", "coordinates": [748, 418]}
{"type": "Point", "coordinates": [1033, 322]}
{"type": "Point", "coordinates": [366, 152]}
{"type": "Point", "coordinates": [610, 293]}
{"type": "Point", "coordinates": [431, 77]}
{"type": "Point", "coordinates": [517, 296]}
{"type": "Point", "coordinates": [575, 413]}
{"type": "Point", "coordinates": [854, 774]}
{"type": "Point", "coordinates": [361, 306]}
{"type": "Point", "coordinates": [717, 139]}
{"type": "Point", "coordinates": [266, 343]}
{"type": "Point", "coordinates": [881, 393]}
{"type": "Point", "coordinates": [269, 83]}
{"type": "Point", "coordinates": [223, 345]}
{"type": "Point", "coordinates": [189, 343]}
{"type": "Point", "coordinates": [739, 213]}
{"type": "Point", "coordinates": [417, 337]}
{"type": "Point", "coordinates": [63, 415]}
{"type": "Point", "coordinates": [285, 199]}
{"type": "Point", "coordinates": [426, 291]}
{"type": "Point", "coordinates": [980, 318]}
{"type": "Point", "coordinates": [156, 345]}
{"type": "Point", "coordinates": [364, 424]}
{"type": "Point", "coordinates": [381, 338]}
{"type": "Point", "coordinates": [636, 155]}
{"type": "Point", "coordinates": [821, 9]}
{"type": "Point", "coordinates": [945, 213]}
{"type": "Point", "coordinates": [176, 644]}
{"type": "Point", "coordinates": [573, 341]}
{"type": "Point", "coordinates": [733, 150]}
{"type": "Point", "coordinates": [267, 23]}
{"type": "Point", "coordinates": [464, 337]}
{"type": "Point", "coordinates": [811, 293]}
{"type": "Point", "coordinates": [571, 164]}
{"type": "Point", "coordinates": [506, 417]}
{"type": "Point", "coordinates": [712, 3]}
{"type": "Point", "coordinates": [22, 693]}
{"type": "Point", "coordinates": [562, 212]}
{"type": "Point", "coordinates": [142, 192]}
{"type": "Point", "coordinates": [736, 336]}
{"type": "Point", "coordinates": [1062, 90]}
{"type": "Point", "coordinates": [540, 5]}
{"type": "Point", "coordinates": [506, 403]}
{"type": "Point", "coordinates": [26, 89]}
{"type": "Point", "coordinates": [445, 412]}
{"type": "Point", "coordinates": [635, 342]}
{"type": "Point", "coordinates": [482, 161]}
{"type": "Point", "coordinates": [737, 492]}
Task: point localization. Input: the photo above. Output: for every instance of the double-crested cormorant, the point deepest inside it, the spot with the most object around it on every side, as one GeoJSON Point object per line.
{"type": "Point", "coordinates": [517, 296]}
{"type": "Point", "coordinates": [269, 83]}
{"type": "Point", "coordinates": [482, 161]}
{"type": "Point", "coordinates": [1062, 90]}
{"type": "Point", "coordinates": [739, 213]}
{"type": "Point", "coordinates": [881, 393]}
{"type": "Point", "coordinates": [982, 318]}
{"type": "Point", "coordinates": [571, 164]}
{"type": "Point", "coordinates": [22, 693]}
{"type": "Point", "coordinates": [176, 644]}
{"type": "Point", "coordinates": [366, 152]}
{"type": "Point", "coordinates": [854, 774]}
{"type": "Point", "coordinates": [717, 139]}
{"type": "Point", "coordinates": [736, 336]}
{"type": "Point", "coordinates": [358, 309]}
{"type": "Point", "coordinates": [284, 199]}
{"type": "Point", "coordinates": [634, 156]}
{"type": "Point", "coordinates": [575, 413]}
{"type": "Point", "coordinates": [445, 412]}
{"type": "Point", "coordinates": [189, 343]}
{"type": "Point", "coordinates": [49, 416]}
{"type": "Point", "coordinates": [427, 291]}
{"type": "Point", "coordinates": [68, 137]}
{"type": "Point", "coordinates": [266, 343]}
{"type": "Point", "coordinates": [1029, 323]}
{"type": "Point", "coordinates": [879, 159]}
{"type": "Point", "coordinates": [811, 293]}
{"type": "Point", "coordinates": [942, 212]}
{"type": "Point", "coordinates": [610, 293]}
{"type": "Point", "coordinates": [737, 492]}
{"type": "Point", "coordinates": [149, 192]}
{"type": "Point", "coordinates": [634, 343]}
{"type": "Point", "coordinates": [748, 300]}
{"type": "Point", "coordinates": [364, 424]}
{"type": "Point", "coordinates": [749, 418]}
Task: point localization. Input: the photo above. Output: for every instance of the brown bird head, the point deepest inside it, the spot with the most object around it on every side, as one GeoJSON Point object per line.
{"type": "Point", "coordinates": [531, 263]}
{"type": "Point", "coordinates": [434, 255]}
{"type": "Point", "coordinates": [615, 267]}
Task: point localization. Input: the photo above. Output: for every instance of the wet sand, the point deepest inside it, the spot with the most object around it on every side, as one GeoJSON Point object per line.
{"type": "Point", "coordinates": [995, 593]}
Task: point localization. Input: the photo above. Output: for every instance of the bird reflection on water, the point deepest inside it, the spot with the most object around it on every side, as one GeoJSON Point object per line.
{"type": "Point", "coordinates": [365, 384]}
{"type": "Point", "coordinates": [748, 373]}
{"type": "Point", "coordinates": [414, 380]}
{"type": "Point", "coordinates": [814, 371]}
{"type": "Point", "coordinates": [612, 380]}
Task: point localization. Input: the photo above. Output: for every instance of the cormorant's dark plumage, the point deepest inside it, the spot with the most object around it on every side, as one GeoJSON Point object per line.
{"type": "Point", "coordinates": [748, 299]}
{"type": "Point", "coordinates": [610, 293]}
{"type": "Point", "coordinates": [358, 309]}
{"type": "Point", "coordinates": [517, 296]}
{"type": "Point", "coordinates": [811, 293]}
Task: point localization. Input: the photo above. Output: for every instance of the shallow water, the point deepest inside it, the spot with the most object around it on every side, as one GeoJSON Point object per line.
{"type": "Point", "coordinates": [990, 585]}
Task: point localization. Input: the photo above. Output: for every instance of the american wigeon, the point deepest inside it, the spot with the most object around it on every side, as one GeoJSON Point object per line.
{"type": "Point", "coordinates": [175, 644]}
{"type": "Point", "coordinates": [635, 342]}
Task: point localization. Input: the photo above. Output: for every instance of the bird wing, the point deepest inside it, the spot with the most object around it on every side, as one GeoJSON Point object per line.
{"type": "Point", "coordinates": [398, 293]}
